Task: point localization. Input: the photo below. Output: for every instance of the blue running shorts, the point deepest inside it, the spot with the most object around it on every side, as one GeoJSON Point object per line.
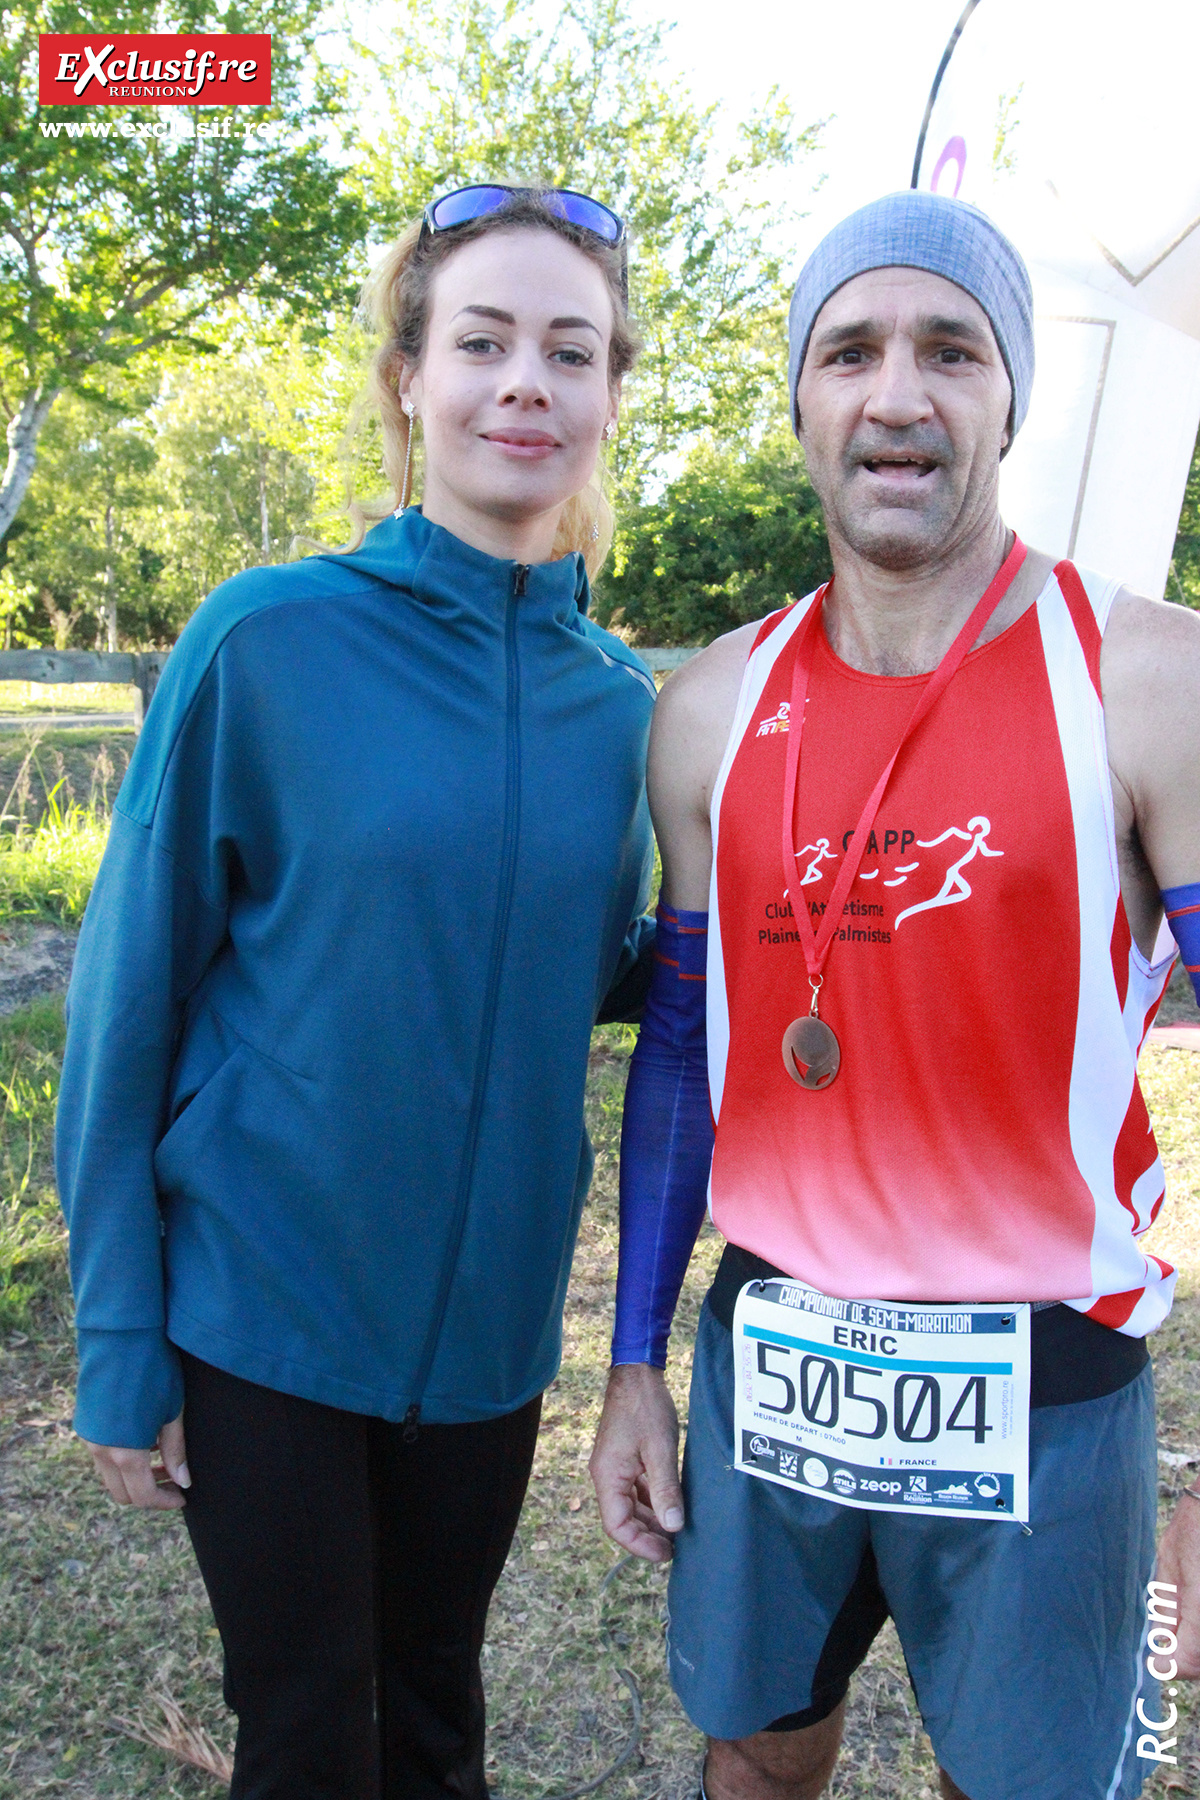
{"type": "Point", "coordinates": [1025, 1650]}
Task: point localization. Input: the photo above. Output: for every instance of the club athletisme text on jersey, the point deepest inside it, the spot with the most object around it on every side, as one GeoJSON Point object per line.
{"type": "Point", "coordinates": [854, 934]}
{"type": "Point", "coordinates": [861, 909]}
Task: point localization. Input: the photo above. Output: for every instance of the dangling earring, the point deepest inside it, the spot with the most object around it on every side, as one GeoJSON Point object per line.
{"type": "Point", "coordinates": [409, 413]}
{"type": "Point", "coordinates": [594, 534]}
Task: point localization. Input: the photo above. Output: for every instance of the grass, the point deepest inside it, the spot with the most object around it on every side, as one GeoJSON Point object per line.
{"type": "Point", "coordinates": [83, 766]}
{"type": "Point", "coordinates": [35, 697]}
{"type": "Point", "coordinates": [51, 840]}
{"type": "Point", "coordinates": [32, 1238]}
{"type": "Point", "coordinates": [48, 872]}
{"type": "Point", "coordinates": [101, 1609]}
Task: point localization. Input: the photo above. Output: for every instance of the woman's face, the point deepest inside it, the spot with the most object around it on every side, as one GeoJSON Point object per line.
{"type": "Point", "coordinates": [512, 391]}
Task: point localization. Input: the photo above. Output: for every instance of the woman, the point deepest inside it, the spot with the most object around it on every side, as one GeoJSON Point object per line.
{"type": "Point", "coordinates": [379, 859]}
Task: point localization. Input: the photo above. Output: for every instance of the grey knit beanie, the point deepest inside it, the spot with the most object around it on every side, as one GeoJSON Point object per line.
{"type": "Point", "coordinates": [915, 230]}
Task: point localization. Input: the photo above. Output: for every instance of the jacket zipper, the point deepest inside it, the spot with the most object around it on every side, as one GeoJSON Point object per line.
{"type": "Point", "coordinates": [508, 871]}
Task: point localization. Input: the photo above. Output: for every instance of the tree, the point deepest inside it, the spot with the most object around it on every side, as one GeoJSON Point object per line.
{"type": "Point", "coordinates": [151, 495]}
{"type": "Point", "coordinates": [491, 90]}
{"type": "Point", "coordinates": [247, 443]}
{"type": "Point", "coordinates": [242, 443]}
{"type": "Point", "coordinates": [1183, 580]}
{"type": "Point", "coordinates": [237, 486]}
{"type": "Point", "coordinates": [80, 540]}
{"type": "Point", "coordinates": [733, 538]}
{"type": "Point", "coordinates": [112, 248]}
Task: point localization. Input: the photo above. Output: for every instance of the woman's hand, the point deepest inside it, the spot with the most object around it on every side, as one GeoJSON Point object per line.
{"type": "Point", "coordinates": [133, 1478]}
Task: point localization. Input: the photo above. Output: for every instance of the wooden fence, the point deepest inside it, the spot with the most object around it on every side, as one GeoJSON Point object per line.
{"type": "Point", "coordinates": [141, 668]}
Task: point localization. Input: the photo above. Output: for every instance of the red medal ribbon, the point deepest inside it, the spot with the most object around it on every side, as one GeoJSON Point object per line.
{"type": "Point", "coordinates": [816, 944]}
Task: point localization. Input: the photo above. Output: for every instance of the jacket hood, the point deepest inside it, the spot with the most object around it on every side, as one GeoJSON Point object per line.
{"type": "Point", "coordinates": [412, 553]}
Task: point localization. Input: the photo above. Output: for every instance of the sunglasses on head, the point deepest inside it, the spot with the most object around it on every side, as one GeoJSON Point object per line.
{"type": "Point", "coordinates": [477, 201]}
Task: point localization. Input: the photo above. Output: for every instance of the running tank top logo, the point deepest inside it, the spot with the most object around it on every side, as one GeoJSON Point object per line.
{"type": "Point", "coordinates": [777, 722]}
{"type": "Point", "coordinates": [948, 854]}
{"type": "Point", "coordinates": [987, 1139]}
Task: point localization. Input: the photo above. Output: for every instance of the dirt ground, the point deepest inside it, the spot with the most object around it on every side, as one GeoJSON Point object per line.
{"type": "Point", "coordinates": [35, 958]}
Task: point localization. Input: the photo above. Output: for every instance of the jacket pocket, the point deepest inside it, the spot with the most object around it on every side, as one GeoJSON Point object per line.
{"type": "Point", "coordinates": [245, 1130]}
{"type": "Point", "coordinates": [196, 1105]}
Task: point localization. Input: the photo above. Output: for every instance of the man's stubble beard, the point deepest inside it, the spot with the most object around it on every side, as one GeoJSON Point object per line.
{"type": "Point", "coordinates": [875, 540]}
{"type": "Point", "coordinates": [894, 551]}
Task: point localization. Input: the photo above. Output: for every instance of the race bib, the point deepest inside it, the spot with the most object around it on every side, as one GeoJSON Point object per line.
{"type": "Point", "coordinates": [886, 1406]}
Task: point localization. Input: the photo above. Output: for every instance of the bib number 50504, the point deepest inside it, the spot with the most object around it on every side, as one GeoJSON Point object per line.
{"type": "Point", "coordinates": [871, 1403]}
{"type": "Point", "coordinates": [917, 1401]}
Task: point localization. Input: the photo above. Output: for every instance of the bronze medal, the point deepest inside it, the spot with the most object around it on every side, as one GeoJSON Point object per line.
{"type": "Point", "coordinates": [812, 1055]}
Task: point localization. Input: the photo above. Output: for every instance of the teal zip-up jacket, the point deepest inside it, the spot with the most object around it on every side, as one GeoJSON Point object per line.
{"type": "Point", "coordinates": [381, 853]}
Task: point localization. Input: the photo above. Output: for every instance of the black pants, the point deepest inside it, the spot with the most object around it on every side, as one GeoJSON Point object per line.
{"type": "Point", "coordinates": [350, 1575]}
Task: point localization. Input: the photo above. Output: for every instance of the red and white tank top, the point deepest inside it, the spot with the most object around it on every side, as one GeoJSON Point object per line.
{"type": "Point", "coordinates": [986, 1138]}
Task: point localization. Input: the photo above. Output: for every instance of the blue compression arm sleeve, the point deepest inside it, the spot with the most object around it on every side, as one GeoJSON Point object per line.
{"type": "Point", "coordinates": [666, 1143]}
{"type": "Point", "coordinates": [1183, 916]}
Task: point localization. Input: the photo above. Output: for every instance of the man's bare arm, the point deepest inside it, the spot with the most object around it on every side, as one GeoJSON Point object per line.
{"type": "Point", "coordinates": [687, 741]}
{"type": "Point", "coordinates": [635, 1462]}
{"type": "Point", "coordinates": [1150, 674]}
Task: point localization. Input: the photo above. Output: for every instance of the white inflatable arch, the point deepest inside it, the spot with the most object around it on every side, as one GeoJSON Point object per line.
{"type": "Point", "coordinates": [1073, 125]}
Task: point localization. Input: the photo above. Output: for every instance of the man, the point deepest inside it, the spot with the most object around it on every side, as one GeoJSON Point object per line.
{"type": "Point", "coordinates": [930, 965]}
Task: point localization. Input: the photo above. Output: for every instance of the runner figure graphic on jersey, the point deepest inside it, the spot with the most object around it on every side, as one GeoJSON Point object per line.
{"type": "Point", "coordinates": [954, 887]}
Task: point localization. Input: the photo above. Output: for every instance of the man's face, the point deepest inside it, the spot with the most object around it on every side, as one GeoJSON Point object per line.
{"type": "Point", "coordinates": [903, 402]}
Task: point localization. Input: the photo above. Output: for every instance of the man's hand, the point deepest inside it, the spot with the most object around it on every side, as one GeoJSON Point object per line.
{"type": "Point", "coordinates": [635, 1463]}
{"type": "Point", "coordinates": [1179, 1563]}
{"type": "Point", "coordinates": [133, 1478]}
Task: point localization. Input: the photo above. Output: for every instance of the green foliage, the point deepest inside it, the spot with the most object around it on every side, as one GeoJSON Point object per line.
{"type": "Point", "coordinates": [250, 449]}
{"type": "Point", "coordinates": [80, 763]}
{"type": "Point", "coordinates": [48, 872]}
{"type": "Point", "coordinates": [114, 247]}
{"type": "Point", "coordinates": [735, 537]}
{"type": "Point", "coordinates": [234, 481]}
{"type": "Point", "coordinates": [221, 463]}
{"type": "Point", "coordinates": [488, 91]}
{"type": "Point", "coordinates": [32, 1239]}
{"type": "Point", "coordinates": [83, 538]}
{"type": "Point", "coordinates": [176, 340]}
{"type": "Point", "coordinates": [226, 446]}
{"type": "Point", "coordinates": [1183, 582]}
{"type": "Point", "coordinates": [45, 873]}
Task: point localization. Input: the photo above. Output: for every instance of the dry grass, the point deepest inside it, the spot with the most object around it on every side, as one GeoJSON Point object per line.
{"type": "Point", "coordinates": [32, 1236]}
{"type": "Point", "coordinates": [175, 1733]}
{"type": "Point", "coordinates": [36, 697]}
{"type": "Point", "coordinates": [83, 765]}
{"type": "Point", "coordinates": [102, 1615]}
